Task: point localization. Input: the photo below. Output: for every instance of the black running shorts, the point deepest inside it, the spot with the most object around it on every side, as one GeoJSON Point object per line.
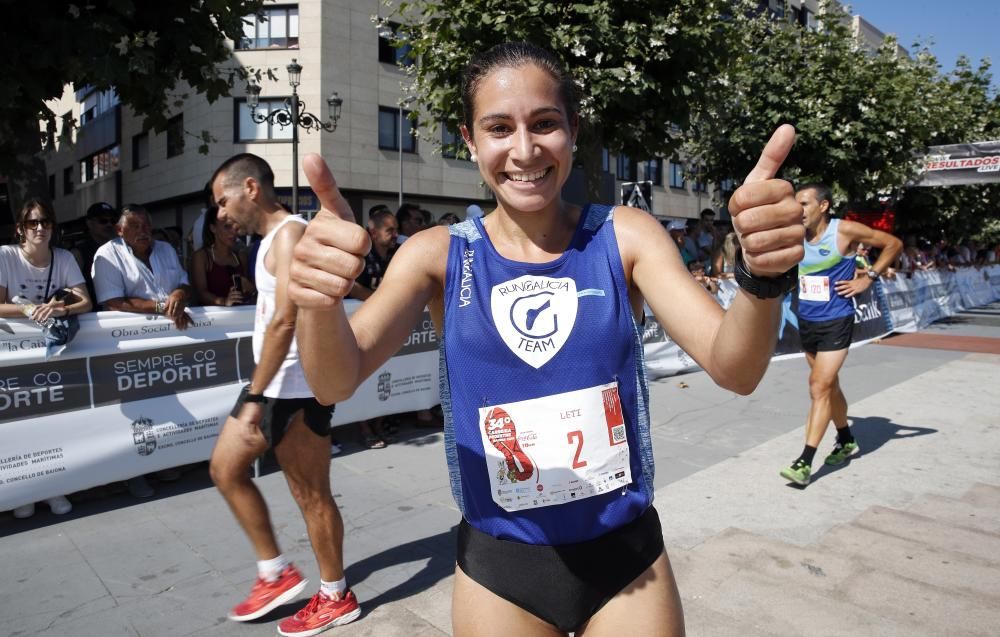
{"type": "Point", "coordinates": [278, 414]}
{"type": "Point", "coordinates": [563, 585]}
{"type": "Point", "coordinates": [826, 336]}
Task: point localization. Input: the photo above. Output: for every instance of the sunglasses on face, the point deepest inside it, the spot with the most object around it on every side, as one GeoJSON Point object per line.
{"type": "Point", "coordinates": [38, 223]}
{"type": "Point", "coordinates": [104, 221]}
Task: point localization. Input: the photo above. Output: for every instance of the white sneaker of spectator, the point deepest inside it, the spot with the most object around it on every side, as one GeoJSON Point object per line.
{"type": "Point", "coordinates": [59, 505]}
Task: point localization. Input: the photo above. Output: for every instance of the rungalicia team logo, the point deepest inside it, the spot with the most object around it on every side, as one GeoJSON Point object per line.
{"type": "Point", "coordinates": [384, 386]}
{"type": "Point", "coordinates": [143, 436]}
{"type": "Point", "coordinates": [534, 316]}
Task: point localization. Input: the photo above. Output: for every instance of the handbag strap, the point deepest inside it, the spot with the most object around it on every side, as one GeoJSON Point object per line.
{"type": "Point", "coordinates": [48, 281]}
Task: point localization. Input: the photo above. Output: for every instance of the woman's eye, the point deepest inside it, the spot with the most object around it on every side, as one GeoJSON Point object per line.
{"type": "Point", "coordinates": [545, 124]}
{"type": "Point", "coordinates": [499, 129]}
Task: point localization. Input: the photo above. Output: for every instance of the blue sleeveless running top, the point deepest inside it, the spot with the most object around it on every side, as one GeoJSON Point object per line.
{"type": "Point", "coordinates": [543, 388]}
{"type": "Point", "coordinates": [819, 271]}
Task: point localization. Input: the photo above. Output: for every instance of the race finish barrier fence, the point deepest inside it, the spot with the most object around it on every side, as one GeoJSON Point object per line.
{"type": "Point", "coordinates": [903, 304]}
{"type": "Point", "coordinates": [132, 395]}
{"type": "Point", "coordinates": [665, 358]}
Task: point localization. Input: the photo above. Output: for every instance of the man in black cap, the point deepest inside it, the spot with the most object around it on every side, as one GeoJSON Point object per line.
{"type": "Point", "coordinates": [101, 220]}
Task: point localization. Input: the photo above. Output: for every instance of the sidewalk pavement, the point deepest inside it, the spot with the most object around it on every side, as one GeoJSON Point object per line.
{"type": "Point", "coordinates": [753, 555]}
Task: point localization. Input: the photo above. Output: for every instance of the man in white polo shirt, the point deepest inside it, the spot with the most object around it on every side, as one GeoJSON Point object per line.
{"type": "Point", "coordinates": [134, 273]}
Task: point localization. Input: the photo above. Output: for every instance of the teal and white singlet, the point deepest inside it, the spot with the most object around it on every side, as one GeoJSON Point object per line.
{"type": "Point", "coordinates": [820, 270]}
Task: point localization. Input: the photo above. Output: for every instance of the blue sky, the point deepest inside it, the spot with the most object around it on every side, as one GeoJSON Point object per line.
{"type": "Point", "coordinates": [971, 27]}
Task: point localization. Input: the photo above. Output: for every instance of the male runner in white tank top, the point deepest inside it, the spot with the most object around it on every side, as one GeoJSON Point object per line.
{"type": "Point", "coordinates": [279, 400]}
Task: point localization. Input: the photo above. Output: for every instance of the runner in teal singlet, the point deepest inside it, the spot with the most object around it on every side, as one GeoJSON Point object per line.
{"type": "Point", "coordinates": [827, 283]}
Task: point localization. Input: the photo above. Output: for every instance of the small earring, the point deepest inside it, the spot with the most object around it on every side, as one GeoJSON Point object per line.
{"type": "Point", "coordinates": [473, 158]}
{"type": "Point", "coordinates": [574, 148]}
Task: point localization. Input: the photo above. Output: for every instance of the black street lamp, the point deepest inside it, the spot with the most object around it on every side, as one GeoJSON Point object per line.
{"type": "Point", "coordinates": [294, 114]}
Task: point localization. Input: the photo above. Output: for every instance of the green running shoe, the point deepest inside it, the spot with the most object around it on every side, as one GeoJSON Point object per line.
{"type": "Point", "coordinates": [841, 453]}
{"type": "Point", "coordinates": [797, 473]}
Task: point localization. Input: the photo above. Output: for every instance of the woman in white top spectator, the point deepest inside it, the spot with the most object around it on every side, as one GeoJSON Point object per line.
{"type": "Point", "coordinates": [42, 274]}
{"type": "Point", "coordinates": [46, 277]}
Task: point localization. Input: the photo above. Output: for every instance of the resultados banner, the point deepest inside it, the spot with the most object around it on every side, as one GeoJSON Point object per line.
{"type": "Point", "coordinates": [961, 164]}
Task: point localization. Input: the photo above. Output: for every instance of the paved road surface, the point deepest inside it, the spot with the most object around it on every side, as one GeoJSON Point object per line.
{"type": "Point", "coordinates": [753, 555]}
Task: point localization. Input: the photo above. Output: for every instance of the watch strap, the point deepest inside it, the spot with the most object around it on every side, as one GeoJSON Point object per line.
{"type": "Point", "coordinates": [250, 397]}
{"type": "Point", "coordinates": [764, 287]}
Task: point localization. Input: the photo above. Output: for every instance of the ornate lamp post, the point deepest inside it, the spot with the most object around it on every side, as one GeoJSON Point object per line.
{"type": "Point", "coordinates": [294, 114]}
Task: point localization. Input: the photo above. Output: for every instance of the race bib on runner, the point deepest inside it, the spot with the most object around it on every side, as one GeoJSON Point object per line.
{"type": "Point", "coordinates": [814, 288]}
{"type": "Point", "coordinates": [556, 449]}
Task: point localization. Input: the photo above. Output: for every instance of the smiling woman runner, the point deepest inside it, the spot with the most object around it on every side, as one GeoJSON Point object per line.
{"type": "Point", "coordinates": [542, 380]}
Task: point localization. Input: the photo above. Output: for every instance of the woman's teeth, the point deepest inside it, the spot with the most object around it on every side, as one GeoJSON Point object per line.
{"type": "Point", "coordinates": [538, 174]}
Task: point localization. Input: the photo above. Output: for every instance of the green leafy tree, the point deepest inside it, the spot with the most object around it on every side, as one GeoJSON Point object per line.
{"type": "Point", "coordinates": [638, 64]}
{"type": "Point", "coordinates": [966, 108]}
{"type": "Point", "coordinates": [860, 115]}
{"type": "Point", "coordinates": [145, 50]}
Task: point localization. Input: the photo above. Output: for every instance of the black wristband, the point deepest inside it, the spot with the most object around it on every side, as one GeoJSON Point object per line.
{"type": "Point", "coordinates": [253, 398]}
{"type": "Point", "coordinates": [764, 287]}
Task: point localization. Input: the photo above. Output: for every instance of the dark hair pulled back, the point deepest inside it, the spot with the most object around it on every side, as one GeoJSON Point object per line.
{"type": "Point", "coordinates": [513, 55]}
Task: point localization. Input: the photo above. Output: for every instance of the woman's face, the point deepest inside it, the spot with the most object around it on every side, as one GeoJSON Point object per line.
{"type": "Point", "coordinates": [522, 137]}
{"type": "Point", "coordinates": [225, 232]}
{"type": "Point", "coordinates": [36, 227]}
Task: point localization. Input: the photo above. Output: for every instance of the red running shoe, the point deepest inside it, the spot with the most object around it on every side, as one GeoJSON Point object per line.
{"type": "Point", "coordinates": [320, 613]}
{"type": "Point", "coordinates": [266, 596]}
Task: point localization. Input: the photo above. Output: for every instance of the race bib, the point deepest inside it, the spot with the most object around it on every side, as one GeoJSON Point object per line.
{"type": "Point", "coordinates": [814, 288]}
{"type": "Point", "coordinates": [556, 449]}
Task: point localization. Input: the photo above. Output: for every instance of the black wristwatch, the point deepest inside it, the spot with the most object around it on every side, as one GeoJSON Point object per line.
{"type": "Point", "coordinates": [253, 398]}
{"type": "Point", "coordinates": [872, 274]}
{"type": "Point", "coordinates": [764, 287]}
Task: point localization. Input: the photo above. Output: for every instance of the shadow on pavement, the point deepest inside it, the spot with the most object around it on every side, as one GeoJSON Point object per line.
{"type": "Point", "coordinates": [109, 497]}
{"type": "Point", "coordinates": [115, 495]}
{"type": "Point", "coordinates": [871, 433]}
{"type": "Point", "coordinates": [438, 550]}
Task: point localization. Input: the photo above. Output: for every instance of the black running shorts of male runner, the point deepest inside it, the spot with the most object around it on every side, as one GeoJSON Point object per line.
{"type": "Point", "coordinates": [826, 336]}
{"type": "Point", "coordinates": [278, 414]}
{"type": "Point", "coordinates": [563, 585]}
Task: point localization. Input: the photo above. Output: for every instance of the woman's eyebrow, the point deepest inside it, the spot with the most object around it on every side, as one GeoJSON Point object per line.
{"type": "Point", "coordinates": [538, 111]}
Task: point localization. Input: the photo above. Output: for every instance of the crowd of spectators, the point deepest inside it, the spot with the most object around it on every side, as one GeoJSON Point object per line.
{"type": "Point", "coordinates": [922, 254]}
{"type": "Point", "coordinates": [708, 247]}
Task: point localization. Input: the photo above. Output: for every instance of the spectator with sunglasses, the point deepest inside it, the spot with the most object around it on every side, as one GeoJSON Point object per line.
{"type": "Point", "coordinates": [45, 276]}
{"type": "Point", "coordinates": [101, 220]}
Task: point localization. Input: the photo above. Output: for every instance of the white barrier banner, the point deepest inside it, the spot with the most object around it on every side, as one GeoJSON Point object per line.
{"type": "Point", "coordinates": [665, 358]}
{"type": "Point", "coordinates": [917, 301]}
{"type": "Point", "coordinates": [131, 395]}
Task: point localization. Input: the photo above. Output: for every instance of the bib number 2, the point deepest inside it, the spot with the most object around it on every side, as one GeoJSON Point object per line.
{"type": "Point", "coordinates": [578, 437]}
{"type": "Point", "coordinates": [556, 449]}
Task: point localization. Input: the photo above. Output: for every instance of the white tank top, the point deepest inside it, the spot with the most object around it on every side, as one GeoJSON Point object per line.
{"type": "Point", "coordinates": [290, 380]}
